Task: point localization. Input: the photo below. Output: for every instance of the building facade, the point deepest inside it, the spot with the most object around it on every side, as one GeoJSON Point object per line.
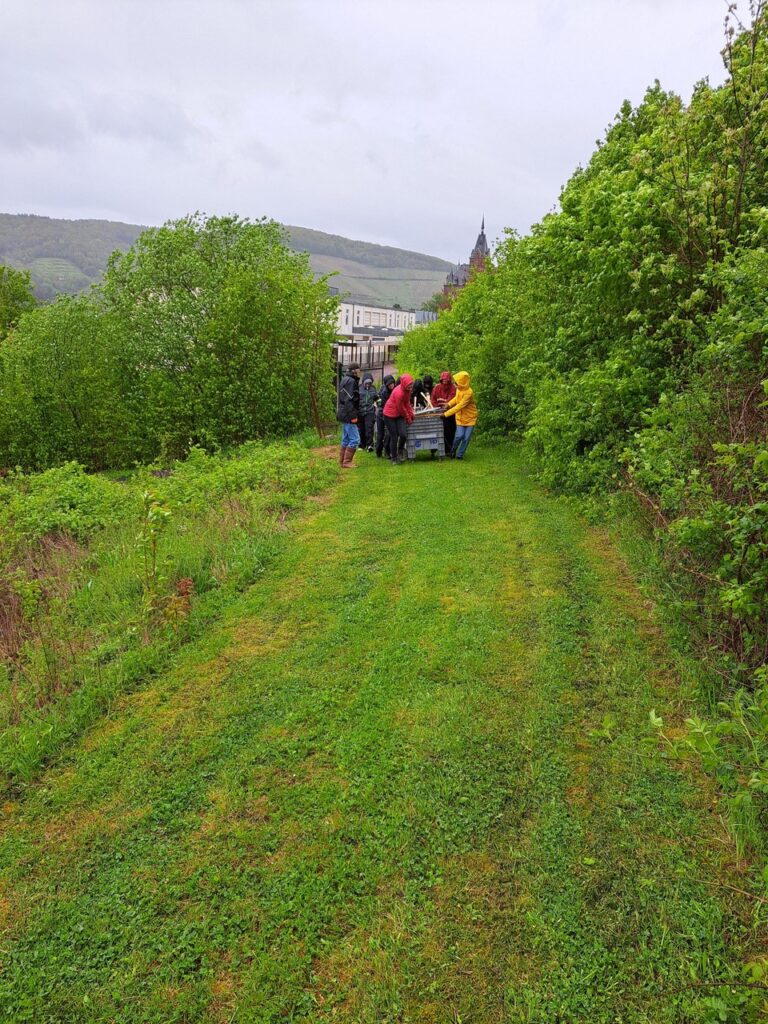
{"type": "Point", "coordinates": [367, 321]}
{"type": "Point", "coordinates": [370, 334]}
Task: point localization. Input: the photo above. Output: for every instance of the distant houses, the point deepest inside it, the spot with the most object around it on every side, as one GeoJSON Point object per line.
{"type": "Point", "coordinates": [370, 334]}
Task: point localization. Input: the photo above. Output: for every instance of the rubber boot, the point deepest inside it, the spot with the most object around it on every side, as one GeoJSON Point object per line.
{"type": "Point", "coordinates": [350, 454]}
{"type": "Point", "coordinates": [342, 455]}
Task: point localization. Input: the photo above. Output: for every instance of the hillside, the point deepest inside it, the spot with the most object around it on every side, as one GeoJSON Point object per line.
{"type": "Point", "coordinates": [69, 255]}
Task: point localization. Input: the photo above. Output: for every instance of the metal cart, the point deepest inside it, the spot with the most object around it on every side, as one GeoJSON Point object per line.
{"type": "Point", "coordinates": [425, 434]}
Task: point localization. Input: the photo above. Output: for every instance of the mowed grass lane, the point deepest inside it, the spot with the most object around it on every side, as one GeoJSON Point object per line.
{"type": "Point", "coordinates": [403, 781]}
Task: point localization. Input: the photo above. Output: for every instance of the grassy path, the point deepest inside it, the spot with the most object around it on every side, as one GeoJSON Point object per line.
{"type": "Point", "coordinates": [403, 781]}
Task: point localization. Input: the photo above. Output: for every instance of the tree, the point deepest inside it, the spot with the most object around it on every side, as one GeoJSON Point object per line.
{"type": "Point", "coordinates": [15, 297]}
{"type": "Point", "coordinates": [220, 324]}
{"type": "Point", "coordinates": [207, 332]}
{"type": "Point", "coordinates": [436, 303]}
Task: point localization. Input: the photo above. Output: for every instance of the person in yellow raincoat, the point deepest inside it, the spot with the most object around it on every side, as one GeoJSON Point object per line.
{"type": "Point", "coordinates": [464, 408]}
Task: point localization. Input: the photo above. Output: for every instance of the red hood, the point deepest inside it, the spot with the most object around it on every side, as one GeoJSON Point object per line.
{"type": "Point", "coordinates": [406, 381]}
{"type": "Point", "coordinates": [445, 377]}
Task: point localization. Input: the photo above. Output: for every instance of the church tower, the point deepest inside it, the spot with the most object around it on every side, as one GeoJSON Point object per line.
{"type": "Point", "coordinates": [478, 262]}
{"type": "Point", "coordinates": [481, 252]}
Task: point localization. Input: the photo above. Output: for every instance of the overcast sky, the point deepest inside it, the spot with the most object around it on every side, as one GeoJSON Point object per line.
{"type": "Point", "coordinates": [393, 121]}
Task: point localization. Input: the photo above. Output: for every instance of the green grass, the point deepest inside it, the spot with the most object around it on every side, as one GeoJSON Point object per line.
{"type": "Point", "coordinates": [73, 549]}
{"type": "Point", "coordinates": [403, 779]}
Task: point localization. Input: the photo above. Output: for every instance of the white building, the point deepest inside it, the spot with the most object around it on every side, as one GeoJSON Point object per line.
{"type": "Point", "coordinates": [366, 322]}
{"type": "Point", "coordinates": [369, 334]}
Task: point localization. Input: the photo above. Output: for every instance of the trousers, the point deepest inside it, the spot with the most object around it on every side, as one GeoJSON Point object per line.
{"type": "Point", "coordinates": [350, 435]}
{"type": "Point", "coordinates": [397, 429]}
{"type": "Point", "coordinates": [461, 440]}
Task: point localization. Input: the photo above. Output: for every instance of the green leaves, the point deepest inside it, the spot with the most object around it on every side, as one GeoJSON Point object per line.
{"type": "Point", "coordinates": [16, 297]}
{"type": "Point", "coordinates": [208, 331]}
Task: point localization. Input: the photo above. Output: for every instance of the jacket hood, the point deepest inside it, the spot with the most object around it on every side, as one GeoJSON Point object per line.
{"type": "Point", "coordinates": [428, 380]}
{"type": "Point", "coordinates": [406, 380]}
{"type": "Point", "coordinates": [462, 379]}
{"type": "Point", "coordinates": [389, 379]}
{"type": "Point", "coordinates": [367, 378]}
{"type": "Point", "coordinates": [445, 377]}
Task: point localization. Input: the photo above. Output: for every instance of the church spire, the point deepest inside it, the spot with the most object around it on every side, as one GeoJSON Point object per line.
{"type": "Point", "coordinates": [482, 250]}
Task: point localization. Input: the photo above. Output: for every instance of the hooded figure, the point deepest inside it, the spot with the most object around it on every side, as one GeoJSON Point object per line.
{"type": "Point", "coordinates": [419, 398]}
{"type": "Point", "coordinates": [348, 414]}
{"type": "Point", "coordinates": [398, 413]}
{"type": "Point", "coordinates": [382, 437]}
{"type": "Point", "coordinates": [442, 394]}
{"type": "Point", "coordinates": [368, 399]}
{"type": "Point", "coordinates": [428, 385]}
{"type": "Point", "coordinates": [464, 408]}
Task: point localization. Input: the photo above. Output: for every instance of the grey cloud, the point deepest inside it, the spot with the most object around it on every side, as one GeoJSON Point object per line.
{"type": "Point", "coordinates": [262, 154]}
{"type": "Point", "coordinates": [29, 122]}
{"type": "Point", "coordinates": [399, 122]}
{"type": "Point", "coordinates": [140, 117]}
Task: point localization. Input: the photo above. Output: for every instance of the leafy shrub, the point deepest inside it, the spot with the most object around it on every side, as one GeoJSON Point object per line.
{"type": "Point", "coordinates": [206, 332]}
{"type": "Point", "coordinates": [625, 340]}
{"type": "Point", "coordinates": [61, 500]}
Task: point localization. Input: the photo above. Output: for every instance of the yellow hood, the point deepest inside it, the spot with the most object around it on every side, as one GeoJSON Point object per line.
{"type": "Point", "coordinates": [462, 379]}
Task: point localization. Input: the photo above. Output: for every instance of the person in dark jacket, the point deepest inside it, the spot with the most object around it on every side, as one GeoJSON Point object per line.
{"type": "Point", "coordinates": [382, 437]}
{"type": "Point", "coordinates": [348, 414]}
{"type": "Point", "coordinates": [368, 399]}
{"type": "Point", "coordinates": [398, 413]}
{"type": "Point", "coordinates": [419, 398]}
{"type": "Point", "coordinates": [442, 394]}
{"type": "Point", "coordinates": [428, 386]}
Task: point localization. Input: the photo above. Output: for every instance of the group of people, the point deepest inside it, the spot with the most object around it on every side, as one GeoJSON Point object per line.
{"type": "Point", "coordinates": [377, 419]}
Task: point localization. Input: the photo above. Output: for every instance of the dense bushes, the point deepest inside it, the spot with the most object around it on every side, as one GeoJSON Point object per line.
{"type": "Point", "coordinates": [624, 341]}
{"type": "Point", "coordinates": [207, 332]}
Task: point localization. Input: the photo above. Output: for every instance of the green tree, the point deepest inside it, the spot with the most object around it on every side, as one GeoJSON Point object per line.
{"type": "Point", "coordinates": [60, 390]}
{"type": "Point", "coordinates": [15, 297]}
{"type": "Point", "coordinates": [207, 332]}
{"type": "Point", "coordinates": [221, 328]}
{"type": "Point", "coordinates": [435, 303]}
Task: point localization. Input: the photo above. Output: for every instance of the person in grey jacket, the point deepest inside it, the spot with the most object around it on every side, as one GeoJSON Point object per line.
{"type": "Point", "coordinates": [382, 437]}
{"type": "Point", "coordinates": [368, 399]}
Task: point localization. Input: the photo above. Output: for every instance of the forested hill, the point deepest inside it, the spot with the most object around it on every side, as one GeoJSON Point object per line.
{"type": "Point", "coordinates": [69, 255]}
{"type": "Point", "coordinates": [61, 255]}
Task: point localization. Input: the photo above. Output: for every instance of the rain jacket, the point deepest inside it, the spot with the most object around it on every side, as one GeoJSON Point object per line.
{"type": "Point", "coordinates": [348, 399]}
{"type": "Point", "coordinates": [368, 396]}
{"type": "Point", "coordinates": [385, 392]}
{"type": "Point", "coordinates": [444, 391]}
{"type": "Point", "coordinates": [399, 402]}
{"type": "Point", "coordinates": [462, 405]}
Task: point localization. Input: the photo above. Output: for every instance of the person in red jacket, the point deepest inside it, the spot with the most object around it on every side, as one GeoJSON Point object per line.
{"type": "Point", "coordinates": [398, 413]}
{"type": "Point", "coordinates": [442, 394]}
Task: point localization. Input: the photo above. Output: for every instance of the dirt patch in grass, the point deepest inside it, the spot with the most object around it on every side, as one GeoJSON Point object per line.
{"type": "Point", "coordinates": [328, 451]}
